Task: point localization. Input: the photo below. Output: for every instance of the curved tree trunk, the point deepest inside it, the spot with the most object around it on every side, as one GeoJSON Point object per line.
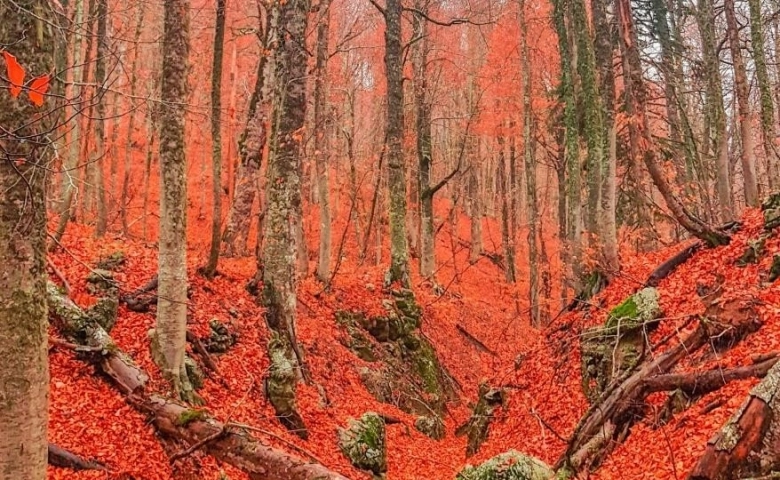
{"type": "Point", "coordinates": [633, 72]}
{"type": "Point", "coordinates": [24, 141]}
{"type": "Point", "coordinates": [250, 149]}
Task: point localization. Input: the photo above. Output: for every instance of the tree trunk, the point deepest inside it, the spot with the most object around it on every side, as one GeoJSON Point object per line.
{"type": "Point", "coordinates": [284, 196]}
{"type": "Point", "coordinates": [751, 431]}
{"type": "Point", "coordinates": [169, 337]}
{"type": "Point", "coordinates": [715, 112]}
{"type": "Point", "coordinates": [592, 116]}
{"type": "Point", "coordinates": [768, 128]}
{"type": "Point", "coordinates": [633, 73]}
{"type": "Point", "coordinates": [747, 154]}
{"type": "Point", "coordinates": [70, 165]}
{"type": "Point", "coordinates": [216, 141]}
{"type": "Point", "coordinates": [321, 144]}
{"type": "Point", "coordinates": [101, 79]}
{"type": "Point", "coordinates": [129, 147]}
{"type": "Point", "coordinates": [604, 48]}
{"type": "Point", "coordinates": [506, 241]}
{"type": "Point", "coordinates": [251, 145]}
{"type": "Point", "coordinates": [530, 173]}
{"type": "Point", "coordinates": [571, 154]}
{"type": "Point", "coordinates": [399, 254]}
{"type": "Point", "coordinates": [475, 202]}
{"type": "Point", "coordinates": [25, 144]}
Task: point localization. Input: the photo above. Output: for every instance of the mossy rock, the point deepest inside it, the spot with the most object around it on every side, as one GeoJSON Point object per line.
{"type": "Point", "coordinates": [511, 465]}
{"type": "Point", "coordinates": [771, 209]}
{"type": "Point", "coordinates": [753, 252]}
{"type": "Point", "coordinates": [774, 269]}
{"type": "Point", "coordinates": [410, 376]}
{"type": "Point", "coordinates": [430, 426]}
{"type": "Point", "coordinates": [634, 312]}
{"type": "Point", "coordinates": [221, 337]}
{"type": "Point", "coordinates": [363, 443]}
{"type": "Point", "coordinates": [355, 340]}
{"type": "Point", "coordinates": [478, 425]}
{"type": "Point", "coordinates": [611, 351]}
{"type": "Point", "coordinates": [112, 261]}
{"type": "Point", "coordinates": [194, 372]}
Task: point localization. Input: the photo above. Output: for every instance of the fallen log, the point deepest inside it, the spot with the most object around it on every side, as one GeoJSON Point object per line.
{"type": "Point", "coordinates": [59, 457]}
{"type": "Point", "coordinates": [728, 452]}
{"type": "Point", "coordinates": [622, 404]}
{"type": "Point", "coordinates": [231, 445]}
{"type": "Point", "coordinates": [171, 418]}
{"type": "Point", "coordinates": [141, 300]}
{"type": "Point", "coordinates": [667, 267]}
{"type": "Point", "coordinates": [700, 383]}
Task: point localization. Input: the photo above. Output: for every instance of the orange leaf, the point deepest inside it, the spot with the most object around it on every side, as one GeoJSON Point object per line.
{"type": "Point", "coordinates": [15, 74]}
{"type": "Point", "coordinates": [38, 87]}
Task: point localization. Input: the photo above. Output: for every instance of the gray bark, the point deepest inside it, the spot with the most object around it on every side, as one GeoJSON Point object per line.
{"type": "Point", "coordinates": [24, 153]}
{"type": "Point", "coordinates": [169, 337]}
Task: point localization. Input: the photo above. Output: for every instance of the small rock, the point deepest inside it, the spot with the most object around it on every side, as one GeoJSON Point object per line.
{"type": "Point", "coordinates": [510, 465]}
{"type": "Point", "coordinates": [430, 426]}
{"type": "Point", "coordinates": [363, 443]}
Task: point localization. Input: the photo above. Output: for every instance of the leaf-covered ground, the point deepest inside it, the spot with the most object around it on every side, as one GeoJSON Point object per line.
{"type": "Point", "coordinates": [545, 399]}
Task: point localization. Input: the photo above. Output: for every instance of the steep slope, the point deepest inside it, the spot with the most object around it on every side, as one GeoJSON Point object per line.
{"type": "Point", "coordinates": [544, 400]}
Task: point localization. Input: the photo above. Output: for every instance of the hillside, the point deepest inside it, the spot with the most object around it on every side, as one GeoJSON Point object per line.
{"type": "Point", "coordinates": [544, 401]}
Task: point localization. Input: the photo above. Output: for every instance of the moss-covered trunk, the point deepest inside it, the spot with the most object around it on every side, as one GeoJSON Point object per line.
{"type": "Point", "coordinates": [24, 143]}
{"type": "Point", "coordinates": [399, 254]}
{"type": "Point", "coordinates": [216, 141]}
{"type": "Point", "coordinates": [168, 339]}
{"type": "Point", "coordinates": [250, 148]}
{"type": "Point", "coordinates": [280, 252]}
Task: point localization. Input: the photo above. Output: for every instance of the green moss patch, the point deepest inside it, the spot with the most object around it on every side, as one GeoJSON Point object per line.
{"type": "Point", "coordinates": [363, 443]}
{"type": "Point", "coordinates": [611, 351]}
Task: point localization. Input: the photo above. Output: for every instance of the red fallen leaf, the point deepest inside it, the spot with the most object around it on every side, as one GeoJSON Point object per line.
{"type": "Point", "coordinates": [15, 74]}
{"type": "Point", "coordinates": [38, 88]}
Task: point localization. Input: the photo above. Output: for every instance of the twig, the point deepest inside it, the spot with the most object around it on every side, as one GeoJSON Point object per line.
{"type": "Point", "coordinates": [201, 350]}
{"type": "Point", "coordinates": [277, 437]}
{"type": "Point", "coordinates": [59, 275]}
{"type": "Point", "coordinates": [197, 445]}
{"type": "Point", "coordinates": [474, 340]}
{"type": "Point", "coordinates": [547, 426]}
{"type": "Point", "coordinates": [72, 346]}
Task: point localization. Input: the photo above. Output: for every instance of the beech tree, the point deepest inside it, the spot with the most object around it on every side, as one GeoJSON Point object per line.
{"type": "Point", "coordinates": [745, 117]}
{"type": "Point", "coordinates": [280, 250]}
{"type": "Point", "coordinates": [252, 141]}
{"type": "Point", "coordinates": [216, 141]}
{"type": "Point", "coordinates": [321, 136]}
{"type": "Point", "coordinates": [169, 335]}
{"type": "Point", "coordinates": [25, 153]}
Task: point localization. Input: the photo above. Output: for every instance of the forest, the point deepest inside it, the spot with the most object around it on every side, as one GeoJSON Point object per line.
{"type": "Point", "coordinates": [390, 239]}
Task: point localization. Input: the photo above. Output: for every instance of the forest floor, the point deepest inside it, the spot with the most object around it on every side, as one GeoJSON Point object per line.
{"type": "Point", "coordinates": [545, 398]}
